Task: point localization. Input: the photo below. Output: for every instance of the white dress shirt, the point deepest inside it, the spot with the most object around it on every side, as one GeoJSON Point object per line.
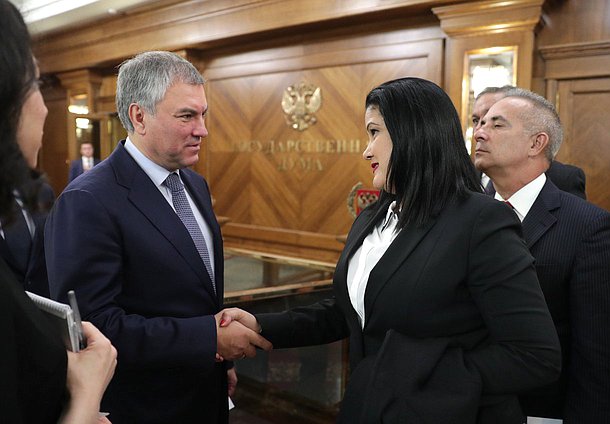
{"type": "Point", "coordinates": [525, 197]}
{"type": "Point", "coordinates": [87, 163]}
{"type": "Point", "coordinates": [366, 257]}
{"type": "Point", "coordinates": [158, 175]}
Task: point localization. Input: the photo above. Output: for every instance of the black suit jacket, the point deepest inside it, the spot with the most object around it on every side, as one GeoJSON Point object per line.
{"type": "Point", "coordinates": [33, 360]}
{"type": "Point", "coordinates": [570, 239]}
{"type": "Point", "coordinates": [463, 294]}
{"type": "Point", "coordinates": [34, 277]}
{"type": "Point", "coordinates": [138, 277]}
{"type": "Point", "coordinates": [568, 178]}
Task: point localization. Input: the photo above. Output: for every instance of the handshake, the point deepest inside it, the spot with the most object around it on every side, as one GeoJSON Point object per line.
{"type": "Point", "coordinates": [238, 335]}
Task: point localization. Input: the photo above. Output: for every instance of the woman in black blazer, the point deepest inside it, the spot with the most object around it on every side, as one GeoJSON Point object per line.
{"type": "Point", "coordinates": [40, 382]}
{"type": "Point", "coordinates": [435, 288]}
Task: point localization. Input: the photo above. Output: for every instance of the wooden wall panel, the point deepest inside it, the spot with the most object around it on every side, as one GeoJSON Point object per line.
{"type": "Point", "coordinates": [583, 108]}
{"type": "Point", "coordinates": [54, 152]}
{"type": "Point", "coordinates": [575, 21]}
{"type": "Point", "coordinates": [285, 191]}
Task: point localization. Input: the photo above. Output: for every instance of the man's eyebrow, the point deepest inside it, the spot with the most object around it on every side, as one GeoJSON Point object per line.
{"type": "Point", "coordinates": [189, 110]}
{"type": "Point", "coordinates": [498, 118]}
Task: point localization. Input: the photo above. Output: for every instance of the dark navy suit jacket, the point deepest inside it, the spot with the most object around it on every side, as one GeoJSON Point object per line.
{"type": "Point", "coordinates": [76, 168]}
{"type": "Point", "coordinates": [138, 277]}
{"type": "Point", "coordinates": [570, 239]}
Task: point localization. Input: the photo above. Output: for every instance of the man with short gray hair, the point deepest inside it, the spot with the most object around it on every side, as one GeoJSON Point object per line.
{"type": "Point", "coordinates": [566, 177]}
{"type": "Point", "coordinates": [570, 240]}
{"type": "Point", "coordinates": [137, 239]}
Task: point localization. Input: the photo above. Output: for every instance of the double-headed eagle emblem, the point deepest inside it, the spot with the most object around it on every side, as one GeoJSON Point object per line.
{"type": "Point", "coordinates": [299, 103]}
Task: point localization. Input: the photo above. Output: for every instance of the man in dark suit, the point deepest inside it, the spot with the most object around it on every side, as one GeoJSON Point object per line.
{"type": "Point", "coordinates": [568, 178]}
{"type": "Point", "coordinates": [22, 244]}
{"type": "Point", "coordinates": [137, 239]}
{"type": "Point", "coordinates": [570, 239]}
{"type": "Point", "coordinates": [85, 163]}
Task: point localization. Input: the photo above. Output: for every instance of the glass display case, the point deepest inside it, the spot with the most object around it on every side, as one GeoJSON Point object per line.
{"type": "Point", "coordinates": [302, 385]}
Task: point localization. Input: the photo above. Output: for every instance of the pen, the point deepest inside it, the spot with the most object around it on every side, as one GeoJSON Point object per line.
{"type": "Point", "coordinates": [77, 321]}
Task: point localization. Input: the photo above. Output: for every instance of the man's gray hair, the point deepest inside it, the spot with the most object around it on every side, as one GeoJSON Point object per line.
{"type": "Point", "coordinates": [145, 79]}
{"type": "Point", "coordinates": [544, 119]}
{"type": "Point", "coordinates": [495, 90]}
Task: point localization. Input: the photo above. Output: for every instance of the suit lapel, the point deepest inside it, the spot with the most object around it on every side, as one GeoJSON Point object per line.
{"type": "Point", "coordinates": [6, 253]}
{"type": "Point", "coordinates": [148, 199]}
{"type": "Point", "coordinates": [360, 229]}
{"type": "Point", "coordinates": [540, 218]}
{"type": "Point", "coordinates": [398, 252]}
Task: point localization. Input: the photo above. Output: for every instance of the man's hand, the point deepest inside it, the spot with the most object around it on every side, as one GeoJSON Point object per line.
{"type": "Point", "coordinates": [237, 341]}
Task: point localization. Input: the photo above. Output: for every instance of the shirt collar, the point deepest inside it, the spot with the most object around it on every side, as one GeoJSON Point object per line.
{"type": "Point", "coordinates": [155, 172]}
{"type": "Point", "coordinates": [391, 217]}
{"type": "Point", "coordinates": [525, 197]}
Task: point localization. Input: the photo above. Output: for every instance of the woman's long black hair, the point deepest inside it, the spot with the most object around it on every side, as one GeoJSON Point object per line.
{"type": "Point", "coordinates": [429, 166]}
{"type": "Point", "coordinates": [17, 77]}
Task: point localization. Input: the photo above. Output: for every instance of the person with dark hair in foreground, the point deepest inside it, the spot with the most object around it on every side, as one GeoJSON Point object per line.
{"type": "Point", "coordinates": [40, 381]}
{"type": "Point", "coordinates": [435, 288]}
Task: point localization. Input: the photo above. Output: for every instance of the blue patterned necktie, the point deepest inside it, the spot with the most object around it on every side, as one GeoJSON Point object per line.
{"type": "Point", "coordinates": [185, 213]}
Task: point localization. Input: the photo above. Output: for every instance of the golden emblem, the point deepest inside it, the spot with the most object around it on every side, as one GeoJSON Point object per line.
{"type": "Point", "coordinates": [299, 103]}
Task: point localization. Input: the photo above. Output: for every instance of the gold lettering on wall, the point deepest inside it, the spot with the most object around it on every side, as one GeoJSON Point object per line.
{"type": "Point", "coordinates": [300, 155]}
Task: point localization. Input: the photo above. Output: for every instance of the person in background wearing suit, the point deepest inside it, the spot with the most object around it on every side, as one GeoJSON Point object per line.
{"type": "Point", "coordinates": [568, 178]}
{"type": "Point", "coordinates": [570, 239]}
{"type": "Point", "coordinates": [40, 382]}
{"type": "Point", "coordinates": [150, 258]}
{"type": "Point", "coordinates": [435, 288]}
{"type": "Point", "coordinates": [85, 163]}
{"type": "Point", "coordinates": [22, 236]}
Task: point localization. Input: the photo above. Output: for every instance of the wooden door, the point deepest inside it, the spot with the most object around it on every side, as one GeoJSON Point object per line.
{"type": "Point", "coordinates": [584, 108]}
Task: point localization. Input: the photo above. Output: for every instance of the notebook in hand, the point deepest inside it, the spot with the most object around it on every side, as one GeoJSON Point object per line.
{"type": "Point", "coordinates": [62, 316]}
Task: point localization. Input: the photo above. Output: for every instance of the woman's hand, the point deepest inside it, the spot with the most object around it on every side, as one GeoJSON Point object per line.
{"type": "Point", "coordinates": [89, 372]}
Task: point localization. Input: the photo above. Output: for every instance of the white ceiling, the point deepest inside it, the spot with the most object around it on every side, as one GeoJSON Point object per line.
{"type": "Point", "coordinates": [49, 15]}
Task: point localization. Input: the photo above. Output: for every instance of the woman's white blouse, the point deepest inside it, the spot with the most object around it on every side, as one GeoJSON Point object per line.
{"type": "Point", "coordinates": [366, 257]}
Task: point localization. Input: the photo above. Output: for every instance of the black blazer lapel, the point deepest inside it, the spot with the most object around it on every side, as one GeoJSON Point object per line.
{"type": "Point", "coordinates": [398, 252]}
{"type": "Point", "coordinates": [540, 218]}
{"type": "Point", "coordinates": [7, 255]}
{"type": "Point", "coordinates": [360, 229]}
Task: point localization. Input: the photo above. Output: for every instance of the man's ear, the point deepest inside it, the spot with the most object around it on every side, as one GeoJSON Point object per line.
{"type": "Point", "coordinates": [136, 116]}
{"type": "Point", "coordinates": [540, 141]}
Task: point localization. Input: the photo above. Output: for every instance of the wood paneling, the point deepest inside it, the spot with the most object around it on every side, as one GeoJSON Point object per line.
{"type": "Point", "coordinates": [54, 152]}
{"type": "Point", "coordinates": [172, 25]}
{"type": "Point", "coordinates": [583, 108]}
{"type": "Point", "coordinates": [575, 21]}
{"type": "Point", "coordinates": [577, 77]}
{"type": "Point", "coordinates": [478, 25]}
{"type": "Point", "coordinates": [284, 190]}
